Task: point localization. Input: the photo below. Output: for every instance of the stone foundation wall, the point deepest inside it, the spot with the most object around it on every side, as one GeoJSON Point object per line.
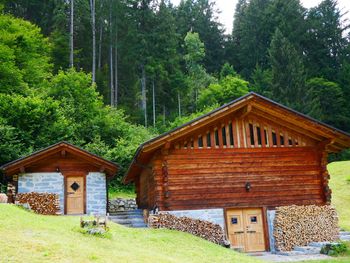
{"type": "Point", "coordinates": [96, 199]}
{"type": "Point", "coordinates": [215, 216]}
{"type": "Point", "coordinates": [52, 183]}
{"type": "Point", "coordinates": [121, 204]}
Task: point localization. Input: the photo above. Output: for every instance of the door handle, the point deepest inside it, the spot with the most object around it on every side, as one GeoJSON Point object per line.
{"type": "Point", "coordinates": [70, 193]}
{"type": "Point", "coordinates": [251, 231]}
{"type": "Point", "coordinates": [239, 232]}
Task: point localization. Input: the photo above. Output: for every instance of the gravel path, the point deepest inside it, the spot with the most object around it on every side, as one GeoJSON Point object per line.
{"type": "Point", "coordinates": [269, 257]}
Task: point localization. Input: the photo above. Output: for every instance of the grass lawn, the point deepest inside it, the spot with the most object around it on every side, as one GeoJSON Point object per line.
{"type": "Point", "coordinates": [121, 193]}
{"type": "Point", "coordinates": [27, 237]}
{"type": "Point", "coordinates": [340, 185]}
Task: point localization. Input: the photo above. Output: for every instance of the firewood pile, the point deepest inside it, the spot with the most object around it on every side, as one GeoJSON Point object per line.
{"type": "Point", "coordinates": [201, 228]}
{"type": "Point", "coordinates": [300, 225]}
{"type": "Point", "coordinates": [41, 203]}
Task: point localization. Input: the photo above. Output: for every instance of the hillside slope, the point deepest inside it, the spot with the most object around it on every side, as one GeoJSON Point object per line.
{"type": "Point", "coordinates": [35, 238]}
{"type": "Point", "coordinates": [340, 185]}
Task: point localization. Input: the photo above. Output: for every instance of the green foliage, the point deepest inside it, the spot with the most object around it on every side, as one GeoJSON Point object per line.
{"type": "Point", "coordinates": [184, 119]}
{"type": "Point", "coordinates": [326, 102]}
{"type": "Point", "coordinates": [336, 249]}
{"type": "Point", "coordinates": [262, 81]}
{"type": "Point", "coordinates": [228, 89]}
{"type": "Point", "coordinates": [24, 56]}
{"type": "Point", "coordinates": [287, 69]}
{"type": "Point", "coordinates": [10, 145]}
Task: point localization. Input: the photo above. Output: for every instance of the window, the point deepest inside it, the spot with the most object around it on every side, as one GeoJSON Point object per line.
{"type": "Point", "coordinates": [208, 140]}
{"type": "Point", "coordinates": [274, 138]}
{"type": "Point", "coordinates": [282, 139]}
{"type": "Point", "coordinates": [231, 134]}
{"type": "Point", "coordinates": [259, 135]}
{"type": "Point", "coordinates": [253, 219]}
{"type": "Point", "coordinates": [200, 141]}
{"type": "Point", "coordinates": [223, 131]}
{"type": "Point", "coordinates": [216, 138]}
{"type": "Point", "coordinates": [234, 220]}
{"type": "Point", "coordinates": [251, 132]}
{"type": "Point", "coordinates": [290, 141]}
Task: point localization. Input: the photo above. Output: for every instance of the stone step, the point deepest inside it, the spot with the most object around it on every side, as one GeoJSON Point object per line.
{"type": "Point", "coordinates": [127, 212]}
{"type": "Point", "coordinates": [126, 216]}
{"type": "Point", "coordinates": [290, 253]}
{"type": "Point", "coordinates": [344, 233]}
{"type": "Point", "coordinates": [126, 221]}
{"type": "Point", "coordinates": [345, 238]}
{"type": "Point", "coordinates": [308, 250]}
{"type": "Point", "coordinates": [319, 244]}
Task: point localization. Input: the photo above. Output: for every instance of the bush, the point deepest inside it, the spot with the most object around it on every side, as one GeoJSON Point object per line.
{"type": "Point", "coordinates": [335, 249]}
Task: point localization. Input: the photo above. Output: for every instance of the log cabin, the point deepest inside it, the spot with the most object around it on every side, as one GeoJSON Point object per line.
{"type": "Point", "coordinates": [77, 176]}
{"type": "Point", "coordinates": [235, 165]}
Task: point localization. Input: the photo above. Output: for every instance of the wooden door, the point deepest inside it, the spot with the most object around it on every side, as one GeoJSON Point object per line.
{"type": "Point", "coordinates": [235, 229]}
{"type": "Point", "coordinates": [254, 230]}
{"type": "Point", "coordinates": [246, 229]}
{"type": "Point", "coordinates": [75, 195]}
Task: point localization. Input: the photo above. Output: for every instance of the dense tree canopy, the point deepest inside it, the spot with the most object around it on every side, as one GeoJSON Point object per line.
{"type": "Point", "coordinates": [160, 65]}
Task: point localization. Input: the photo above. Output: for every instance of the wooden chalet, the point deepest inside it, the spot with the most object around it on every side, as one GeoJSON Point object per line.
{"type": "Point", "coordinates": [237, 163]}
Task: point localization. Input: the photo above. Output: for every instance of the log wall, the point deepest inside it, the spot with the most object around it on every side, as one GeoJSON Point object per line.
{"type": "Point", "coordinates": [198, 179]}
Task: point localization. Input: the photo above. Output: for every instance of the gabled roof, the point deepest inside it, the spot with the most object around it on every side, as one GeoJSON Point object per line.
{"type": "Point", "coordinates": [14, 167]}
{"type": "Point", "coordinates": [340, 139]}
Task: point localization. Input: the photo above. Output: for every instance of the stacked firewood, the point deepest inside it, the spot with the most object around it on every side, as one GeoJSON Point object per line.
{"type": "Point", "coordinates": [41, 203]}
{"type": "Point", "coordinates": [201, 228]}
{"type": "Point", "coordinates": [300, 225]}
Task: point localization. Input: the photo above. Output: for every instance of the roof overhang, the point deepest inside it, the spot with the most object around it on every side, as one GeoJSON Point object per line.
{"type": "Point", "coordinates": [18, 166]}
{"type": "Point", "coordinates": [250, 103]}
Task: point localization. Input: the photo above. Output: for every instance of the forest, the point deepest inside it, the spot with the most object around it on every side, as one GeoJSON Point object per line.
{"type": "Point", "coordinates": [108, 75]}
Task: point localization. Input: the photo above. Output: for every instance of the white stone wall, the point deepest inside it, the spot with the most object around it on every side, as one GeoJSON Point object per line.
{"type": "Point", "coordinates": [270, 221]}
{"type": "Point", "coordinates": [42, 183]}
{"type": "Point", "coordinates": [96, 200]}
{"type": "Point", "coordinates": [215, 216]}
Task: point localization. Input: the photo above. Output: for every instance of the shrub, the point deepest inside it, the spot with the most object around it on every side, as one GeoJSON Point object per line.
{"type": "Point", "coordinates": [335, 249]}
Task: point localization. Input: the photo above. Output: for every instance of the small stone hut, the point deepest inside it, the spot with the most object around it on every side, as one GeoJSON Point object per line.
{"type": "Point", "coordinates": [77, 176]}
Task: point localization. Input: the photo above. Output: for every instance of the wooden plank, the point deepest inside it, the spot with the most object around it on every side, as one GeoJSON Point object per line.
{"type": "Point", "coordinates": [221, 144]}
{"type": "Point", "coordinates": [255, 134]}
{"type": "Point", "coordinates": [247, 134]}
{"type": "Point", "coordinates": [228, 139]}
{"type": "Point", "coordinates": [269, 134]}
{"type": "Point", "coordinates": [235, 131]}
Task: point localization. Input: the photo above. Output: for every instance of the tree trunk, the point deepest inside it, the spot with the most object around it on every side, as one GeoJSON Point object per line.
{"type": "Point", "coordinates": [111, 79]}
{"type": "Point", "coordinates": [143, 92]}
{"type": "Point", "coordinates": [154, 104]}
{"type": "Point", "coordinates": [93, 26]}
{"type": "Point", "coordinates": [116, 65]}
{"type": "Point", "coordinates": [100, 40]}
{"type": "Point", "coordinates": [179, 103]}
{"type": "Point", "coordinates": [71, 32]}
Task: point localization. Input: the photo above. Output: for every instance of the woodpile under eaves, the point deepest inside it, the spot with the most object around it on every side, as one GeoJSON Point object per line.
{"type": "Point", "coordinates": [201, 228]}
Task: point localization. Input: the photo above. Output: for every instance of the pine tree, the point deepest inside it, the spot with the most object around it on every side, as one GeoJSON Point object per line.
{"type": "Point", "coordinates": [326, 43]}
{"type": "Point", "coordinates": [288, 76]}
